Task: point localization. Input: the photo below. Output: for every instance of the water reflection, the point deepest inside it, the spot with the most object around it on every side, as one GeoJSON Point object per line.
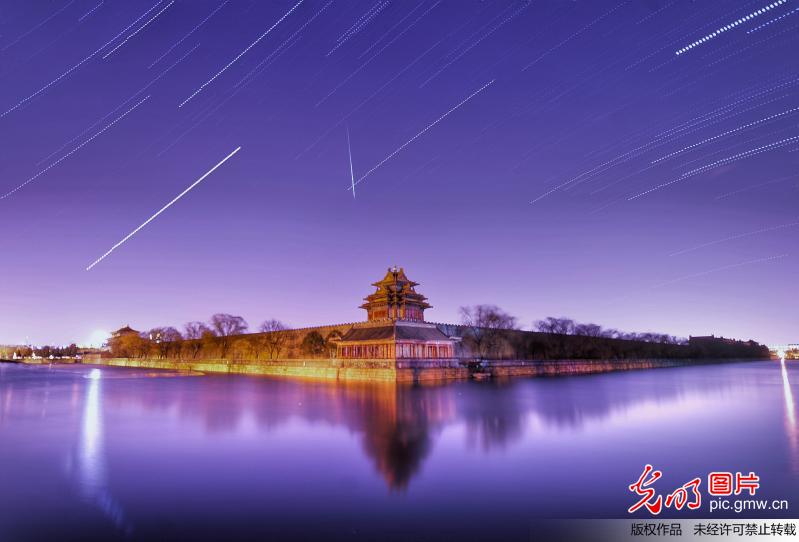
{"type": "Point", "coordinates": [193, 458]}
{"type": "Point", "coordinates": [91, 473]}
{"type": "Point", "coordinates": [398, 425]}
{"type": "Point", "coordinates": [790, 417]}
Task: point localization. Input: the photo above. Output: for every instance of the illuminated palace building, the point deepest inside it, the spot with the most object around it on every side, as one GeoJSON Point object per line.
{"type": "Point", "coordinates": [395, 326]}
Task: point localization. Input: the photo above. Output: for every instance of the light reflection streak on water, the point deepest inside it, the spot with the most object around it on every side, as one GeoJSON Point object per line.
{"type": "Point", "coordinates": [790, 417]}
{"type": "Point", "coordinates": [91, 475]}
{"type": "Point", "coordinates": [790, 408]}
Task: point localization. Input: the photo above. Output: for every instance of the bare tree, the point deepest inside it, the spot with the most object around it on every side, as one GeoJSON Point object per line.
{"type": "Point", "coordinates": [166, 340]}
{"type": "Point", "coordinates": [588, 330]}
{"type": "Point", "coordinates": [193, 331]}
{"type": "Point", "coordinates": [561, 326]}
{"type": "Point", "coordinates": [274, 336]}
{"type": "Point", "coordinates": [225, 326]}
{"type": "Point", "coordinates": [485, 323]}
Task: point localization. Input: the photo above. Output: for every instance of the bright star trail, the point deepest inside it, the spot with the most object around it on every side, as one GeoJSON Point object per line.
{"type": "Point", "coordinates": [37, 27]}
{"type": "Point", "coordinates": [120, 106]}
{"type": "Point", "coordinates": [419, 134]}
{"type": "Point", "coordinates": [722, 268]}
{"type": "Point", "coordinates": [474, 44]}
{"type": "Point", "coordinates": [73, 151]}
{"type": "Point", "coordinates": [728, 27]}
{"type": "Point", "coordinates": [192, 31]}
{"type": "Point", "coordinates": [142, 27]}
{"type": "Point", "coordinates": [162, 209]}
{"type": "Point", "coordinates": [374, 56]}
{"type": "Point", "coordinates": [364, 20]}
{"type": "Point", "coordinates": [724, 161]}
{"type": "Point", "coordinates": [74, 67]}
{"type": "Point", "coordinates": [723, 134]}
{"type": "Point", "coordinates": [772, 21]}
{"type": "Point", "coordinates": [735, 238]}
{"type": "Point", "coordinates": [280, 48]}
{"type": "Point", "coordinates": [95, 8]}
{"type": "Point", "coordinates": [241, 54]}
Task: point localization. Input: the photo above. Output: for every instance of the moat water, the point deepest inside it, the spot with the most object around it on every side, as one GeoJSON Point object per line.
{"type": "Point", "coordinates": [123, 454]}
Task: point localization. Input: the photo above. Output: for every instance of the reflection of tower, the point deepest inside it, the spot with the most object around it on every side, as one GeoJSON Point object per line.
{"type": "Point", "coordinates": [91, 474]}
{"type": "Point", "coordinates": [398, 426]}
{"type": "Point", "coordinates": [396, 439]}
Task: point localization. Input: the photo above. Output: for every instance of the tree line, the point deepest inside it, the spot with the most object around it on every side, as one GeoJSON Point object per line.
{"type": "Point", "coordinates": [491, 333]}
{"type": "Point", "coordinates": [224, 336]}
{"type": "Point", "coordinates": [486, 332]}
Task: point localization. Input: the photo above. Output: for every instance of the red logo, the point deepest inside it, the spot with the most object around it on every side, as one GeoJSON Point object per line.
{"type": "Point", "coordinates": [688, 495]}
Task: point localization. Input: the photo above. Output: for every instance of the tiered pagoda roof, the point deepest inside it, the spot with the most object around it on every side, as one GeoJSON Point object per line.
{"type": "Point", "coordinates": [395, 298]}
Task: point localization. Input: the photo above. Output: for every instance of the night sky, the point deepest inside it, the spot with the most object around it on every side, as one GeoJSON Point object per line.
{"type": "Point", "coordinates": [632, 164]}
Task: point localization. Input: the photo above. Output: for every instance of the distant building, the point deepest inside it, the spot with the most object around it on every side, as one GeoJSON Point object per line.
{"type": "Point", "coordinates": [789, 351]}
{"type": "Point", "coordinates": [709, 339]}
{"type": "Point", "coordinates": [127, 330]}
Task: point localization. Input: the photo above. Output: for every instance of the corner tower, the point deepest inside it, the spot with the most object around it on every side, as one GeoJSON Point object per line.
{"type": "Point", "coordinates": [395, 299]}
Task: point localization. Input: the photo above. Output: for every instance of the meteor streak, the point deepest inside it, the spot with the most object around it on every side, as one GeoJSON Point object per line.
{"type": "Point", "coordinates": [73, 151]}
{"type": "Point", "coordinates": [414, 138]}
{"type": "Point", "coordinates": [368, 99]}
{"type": "Point", "coordinates": [162, 209]}
{"type": "Point", "coordinates": [352, 174]}
{"type": "Point", "coordinates": [238, 56]}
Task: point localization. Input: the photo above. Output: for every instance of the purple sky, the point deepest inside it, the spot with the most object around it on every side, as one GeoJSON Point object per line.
{"type": "Point", "coordinates": [524, 196]}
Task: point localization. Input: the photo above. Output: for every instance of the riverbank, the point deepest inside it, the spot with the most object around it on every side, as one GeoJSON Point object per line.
{"type": "Point", "coordinates": [410, 371]}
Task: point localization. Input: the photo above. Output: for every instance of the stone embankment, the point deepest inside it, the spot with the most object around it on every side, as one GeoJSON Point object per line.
{"type": "Point", "coordinates": [401, 370]}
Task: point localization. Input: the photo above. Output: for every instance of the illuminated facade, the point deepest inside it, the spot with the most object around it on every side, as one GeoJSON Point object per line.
{"type": "Point", "coordinates": [395, 328]}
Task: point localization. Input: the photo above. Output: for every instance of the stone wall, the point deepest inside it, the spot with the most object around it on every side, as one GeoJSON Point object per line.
{"type": "Point", "coordinates": [408, 371]}
{"type": "Point", "coordinates": [330, 369]}
{"type": "Point", "coordinates": [508, 368]}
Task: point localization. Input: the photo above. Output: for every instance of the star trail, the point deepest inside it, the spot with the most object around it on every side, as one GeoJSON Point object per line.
{"type": "Point", "coordinates": [562, 156]}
